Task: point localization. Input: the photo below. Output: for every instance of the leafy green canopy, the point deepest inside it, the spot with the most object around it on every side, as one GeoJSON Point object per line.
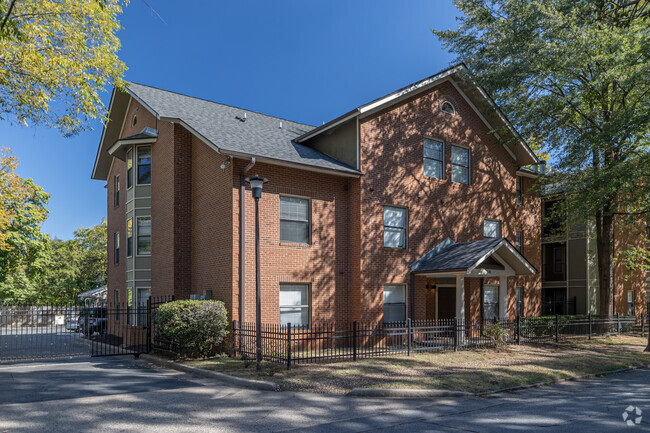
{"type": "Point", "coordinates": [574, 76]}
{"type": "Point", "coordinates": [55, 58]}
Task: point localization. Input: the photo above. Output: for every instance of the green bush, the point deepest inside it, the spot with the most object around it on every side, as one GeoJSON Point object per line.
{"type": "Point", "coordinates": [196, 328]}
{"type": "Point", "coordinates": [497, 335]}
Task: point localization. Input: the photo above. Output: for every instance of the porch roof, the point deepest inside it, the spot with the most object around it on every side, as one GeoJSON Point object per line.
{"type": "Point", "coordinates": [465, 257]}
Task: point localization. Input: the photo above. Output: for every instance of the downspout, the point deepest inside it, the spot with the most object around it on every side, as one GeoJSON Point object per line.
{"type": "Point", "coordinates": [412, 300]}
{"type": "Point", "coordinates": [242, 242]}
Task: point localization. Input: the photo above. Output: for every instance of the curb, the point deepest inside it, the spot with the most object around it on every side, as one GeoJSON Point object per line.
{"type": "Point", "coordinates": [407, 393]}
{"type": "Point", "coordinates": [565, 379]}
{"type": "Point", "coordinates": [238, 381]}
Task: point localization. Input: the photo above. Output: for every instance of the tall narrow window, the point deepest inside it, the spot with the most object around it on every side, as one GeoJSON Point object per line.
{"type": "Point", "coordinates": [395, 220]}
{"type": "Point", "coordinates": [491, 229]}
{"type": "Point", "coordinates": [558, 260]}
{"type": "Point", "coordinates": [460, 165]}
{"type": "Point", "coordinates": [519, 192]}
{"type": "Point", "coordinates": [117, 189]}
{"type": "Point", "coordinates": [434, 157]}
{"type": "Point", "coordinates": [141, 306]}
{"type": "Point", "coordinates": [520, 241]}
{"type": "Point", "coordinates": [129, 237]}
{"type": "Point", "coordinates": [294, 220]}
{"type": "Point", "coordinates": [294, 304]}
{"type": "Point", "coordinates": [520, 301]}
{"type": "Point", "coordinates": [144, 236]}
{"type": "Point", "coordinates": [394, 303]}
{"type": "Point", "coordinates": [630, 302]}
{"type": "Point", "coordinates": [117, 247]}
{"type": "Point", "coordinates": [129, 306]}
{"type": "Point", "coordinates": [144, 165]}
{"type": "Point", "coordinates": [117, 305]}
{"type": "Point", "coordinates": [129, 169]}
{"type": "Point", "coordinates": [490, 302]}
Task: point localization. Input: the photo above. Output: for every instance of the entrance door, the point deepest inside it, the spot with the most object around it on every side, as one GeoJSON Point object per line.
{"type": "Point", "coordinates": [446, 302]}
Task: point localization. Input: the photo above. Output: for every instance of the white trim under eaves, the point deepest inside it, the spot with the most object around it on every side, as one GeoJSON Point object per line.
{"type": "Point", "coordinates": [526, 174]}
{"type": "Point", "coordinates": [495, 249]}
{"type": "Point", "coordinates": [101, 140]}
{"type": "Point", "coordinates": [126, 113]}
{"type": "Point", "coordinates": [136, 141]}
{"type": "Point", "coordinates": [257, 157]}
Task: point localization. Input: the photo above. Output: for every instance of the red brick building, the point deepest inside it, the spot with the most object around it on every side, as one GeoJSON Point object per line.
{"type": "Point", "coordinates": [417, 204]}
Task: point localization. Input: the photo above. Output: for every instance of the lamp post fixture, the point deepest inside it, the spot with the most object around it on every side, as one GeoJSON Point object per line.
{"type": "Point", "coordinates": [256, 182]}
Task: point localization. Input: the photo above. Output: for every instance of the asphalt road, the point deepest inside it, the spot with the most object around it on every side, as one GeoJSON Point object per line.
{"type": "Point", "coordinates": [119, 394]}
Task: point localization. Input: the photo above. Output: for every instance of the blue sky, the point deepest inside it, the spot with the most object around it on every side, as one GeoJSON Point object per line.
{"type": "Point", "coordinates": [308, 61]}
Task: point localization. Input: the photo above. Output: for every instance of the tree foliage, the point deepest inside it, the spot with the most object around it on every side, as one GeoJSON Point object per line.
{"type": "Point", "coordinates": [574, 76]}
{"type": "Point", "coordinates": [55, 58]}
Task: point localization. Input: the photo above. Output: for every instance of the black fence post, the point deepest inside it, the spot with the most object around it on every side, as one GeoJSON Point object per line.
{"type": "Point", "coordinates": [149, 311]}
{"type": "Point", "coordinates": [409, 332]}
{"type": "Point", "coordinates": [288, 346]}
{"type": "Point", "coordinates": [557, 328]}
{"type": "Point", "coordinates": [618, 323]}
{"type": "Point", "coordinates": [589, 327]}
{"type": "Point", "coordinates": [234, 338]}
{"type": "Point", "coordinates": [354, 340]}
{"type": "Point", "coordinates": [518, 330]}
{"type": "Point", "coordinates": [642, 325]}
{"type": "Point", "coordinates": [455, 333]}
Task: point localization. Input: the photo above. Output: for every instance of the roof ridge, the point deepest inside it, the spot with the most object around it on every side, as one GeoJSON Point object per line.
{"type": "Point", "coordinates": [220, 103]}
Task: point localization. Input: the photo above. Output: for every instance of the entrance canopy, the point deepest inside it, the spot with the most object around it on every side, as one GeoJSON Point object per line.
{"type": "Point", "coordinates": [484, 258]}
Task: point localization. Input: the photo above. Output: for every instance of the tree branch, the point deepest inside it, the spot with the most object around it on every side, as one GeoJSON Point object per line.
{"type": "Point", "coordinates": [4, 22]}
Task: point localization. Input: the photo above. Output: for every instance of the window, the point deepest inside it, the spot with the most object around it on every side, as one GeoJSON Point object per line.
{"type": "Point", "coordinates": [395, 227]}
{"type": "Point", "coordinates": [144, 165]}
{"type": "Point", "coordinates": [519, 192]}
{"type": "Point", "coordinates": [448, 108]}
{"type": "Point", "coordinates": [144, 236]}
{"type": "Point", "coordinates": [519, 241]}
{"type": "Point", "coordinates": [491, 229]}
{"type": "Point", "coordinates": [394, 303]}
{"type": "Point", "coordinates": [294, 220]}
{"type": "Point", "coordinates": [116, 239]}
{"type": "Point", "coordinates": [129, 306]}
{"type": "Point", "coordinates": [460, 165]}
{"type": "Point", "coordinates": [129, 237]}
{"type": "Point", "coordinates": [434, 157]}
{"type": "Point", "coordinates": [630, 302]}
{"type": "Point", "coordinates": [117, 190]}
{"type": "Point", "coordinates": [490, 302]}
{"type": "Point", "coordinates": [520, 301]}
{"type": "Point", "coordinates": [558, 260]}
{"type": "Point", "coordinates": [143, 297]}
{"type": "Point", "coordinates": [129, 169]}
{"type": "Point", "coordinates": [117, 305]}
{"type": "Point", "coordinates": [294, 304]}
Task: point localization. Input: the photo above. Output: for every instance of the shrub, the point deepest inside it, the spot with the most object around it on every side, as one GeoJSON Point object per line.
{"type": "Point", "coordinates": [497, 334]}
{"type": "Point", "coordinates": [195, 327]}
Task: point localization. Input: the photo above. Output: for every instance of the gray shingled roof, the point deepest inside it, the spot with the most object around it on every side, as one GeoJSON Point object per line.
{"type": "Point", "coordinates": [259, 135]}
{"type": "Point", "coordinates": [450, 256]}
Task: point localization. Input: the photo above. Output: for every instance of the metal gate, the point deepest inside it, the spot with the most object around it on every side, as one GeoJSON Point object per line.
{"type": "Point", "coordinates": [40, 332]}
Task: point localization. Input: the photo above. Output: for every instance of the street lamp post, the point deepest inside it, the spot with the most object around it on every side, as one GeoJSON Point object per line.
{"type": "Point", "coordinates": [256, 183]}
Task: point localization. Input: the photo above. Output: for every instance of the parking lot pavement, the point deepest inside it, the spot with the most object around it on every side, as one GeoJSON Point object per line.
{"type": "Point", "coordinates": [128, 395]}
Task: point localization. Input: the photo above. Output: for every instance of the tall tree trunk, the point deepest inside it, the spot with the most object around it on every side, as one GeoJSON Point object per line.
{"type": "Point", "coordinates": [605, 246]}
{"type": "Point", "coordinates": [647, 348]}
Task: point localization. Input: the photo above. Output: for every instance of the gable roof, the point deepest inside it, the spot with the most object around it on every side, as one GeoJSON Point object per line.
{"type": "Point", "coordinates": [465, 84]}
{"type": "Point", "coordinates": [229, 130]}
{"type": "Point", "coordinates": [465, 256]}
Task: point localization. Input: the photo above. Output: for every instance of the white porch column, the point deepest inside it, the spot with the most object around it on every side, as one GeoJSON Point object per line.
{"type": "Point", "coordinates": [460, 296]}
{"type": "Point", "coordinates": [503, 298]}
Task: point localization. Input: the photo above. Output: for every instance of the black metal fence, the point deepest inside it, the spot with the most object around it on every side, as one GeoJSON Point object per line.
{"type": "Point", "coordinates": [338, 342]}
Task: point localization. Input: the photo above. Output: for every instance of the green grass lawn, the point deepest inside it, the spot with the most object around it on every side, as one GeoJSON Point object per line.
{"type": "Point", "coordinates": [476, 370]}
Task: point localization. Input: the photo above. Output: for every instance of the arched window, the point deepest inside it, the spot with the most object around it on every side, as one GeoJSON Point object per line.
{"type": "Point", "coordinates": [448, 108]}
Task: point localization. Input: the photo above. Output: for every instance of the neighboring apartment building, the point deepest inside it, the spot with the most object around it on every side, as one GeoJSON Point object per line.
{"type": "Point", "coordinates": [569, 270]}
{"type": "Point", "coordinates": [413, 205]}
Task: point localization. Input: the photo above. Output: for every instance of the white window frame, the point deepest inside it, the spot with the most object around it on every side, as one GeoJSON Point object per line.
{"type": "Point", "coordinates": [491, 287]}
{"type": "Point", "coordinates": [309, 219]}
{"type": "Point", "coordinates": [627, 303]}
{"type": "Point", "coordinates": [137, 236]}
{"type": "Point", "coordinates": [405, 228]}
{"type": "Point", "coordinates": [442, 107]}
{"type": "Point", "coordinates": [469, 164]}
{"type": "Point", "coordinates": [302, 306]}
{"type": "Point", "coordinates": [116, 248]}
{"type": "Point", "coordinates": [136, 164]}
{"type": "Point", "coordinates": [116, 190]}
{"type": "Point", "coordinates": [442, 161]}
{"type": "Point", "coordinates": [129, 220]}
{"type": "Point", "coordinates": [141, 311]}
{"type": "Point", "coordinates": [405, 302]}
{"type": "Point", "coordinates": [500, 228]}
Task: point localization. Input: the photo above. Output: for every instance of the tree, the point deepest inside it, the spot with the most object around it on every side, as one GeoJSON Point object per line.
{"type": "Point", "coordinates": [22, 211]}
{"type": "Point", "coordinates": [575, 76]}
{"type": "Point", "coordinates": [55, 58]}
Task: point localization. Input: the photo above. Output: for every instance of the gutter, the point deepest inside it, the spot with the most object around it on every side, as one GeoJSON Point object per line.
{"type": "Point", "coordinates": [242, 241]}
